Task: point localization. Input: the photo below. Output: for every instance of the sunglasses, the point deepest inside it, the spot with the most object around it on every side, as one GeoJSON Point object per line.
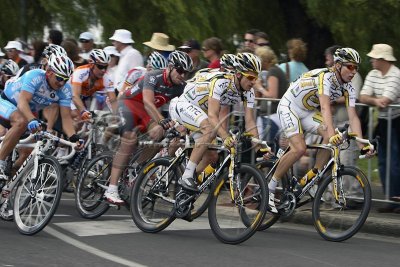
{"type": "Point", "coordinates": [60, 78]}
{"type": "Point", "coordinates": [180, 70]}
{"type": "Point", "coordinates": [101, 67]}
{"type": "Point", "coordinates": [351, 67]}
{"type": "Point", "coordinates": [249, 76]}
{"type": "Point", "coordinates": [84, 41]}
{"type": "Point", "coordinates": [249, 40]}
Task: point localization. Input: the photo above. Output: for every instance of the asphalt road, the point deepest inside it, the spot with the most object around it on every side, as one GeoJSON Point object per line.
{"type": "Point", "coordinates": [113, 240]}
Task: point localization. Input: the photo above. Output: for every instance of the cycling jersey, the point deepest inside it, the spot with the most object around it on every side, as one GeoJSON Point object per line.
{"type": "Point", "coordinates": [80, 76]}
{"type": "Point", "coordinates": [28, 67]}
{"type": "Point", "coordinates": [43, 95]}
{"type": "Point", "coordinates": [133, 75]}
{"type": "Point", "coordinates": [299, 107]}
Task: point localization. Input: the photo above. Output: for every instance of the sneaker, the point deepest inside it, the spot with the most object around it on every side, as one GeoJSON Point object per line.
{"type": "Point", "coordinates": [271, 203]}
{"type": "Point", "coordinates": [188, 184]}
{"type": "Point", "coordinates": [113, 198]}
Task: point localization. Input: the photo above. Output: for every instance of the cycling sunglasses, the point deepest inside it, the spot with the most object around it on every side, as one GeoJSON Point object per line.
{"type": "Point", "coordinates": [101, 67]}
{"type": "Point", "coordinates": [60, 78]}
{"type": "Point", "coordinates": [351, 67]}
{"type": "Point", "coordinates": [180, 70]}
{"type": "Point", "coordinates": [249, 76]}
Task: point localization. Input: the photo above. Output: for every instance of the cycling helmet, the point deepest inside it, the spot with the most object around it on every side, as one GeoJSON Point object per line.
{"type": "Point", "coordinates": [99, 56]}
{"type": "Point", "coordinates": [157, 61]}
{"type": "Point", "coordinates": [346, 55]}
{"type": "Point", "coordinates": [228, 61]}
{"type": "Point", "coordinates": [53, 49]}
{"type": "Point", "coordinates": [181, 60]}
{"type": "Point", "coordinates": [248, 62]}
{"type": "Point", "coordinates": [61, 65]}
{"type": "Point", "coordinates": [10, 68]}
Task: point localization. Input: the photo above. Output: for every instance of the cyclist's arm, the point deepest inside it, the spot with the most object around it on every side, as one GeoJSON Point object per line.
{"type": "Point", "coordinates": [113, 101]}
{"type": "Point", "coordinates": [251, 126]}
{"type": "Point", "coordinates": [214, 108]}
{"type": "Point", "coordinates": [151, 109]}
{"type": "Point", "coordinates": [67, 122]}
{"type": "Point", "coordinates": [326, 112]}
{"type": "Point", "coordinates": [224, 117]}
{"type": "Point", "coordinates": [76, 97]}
{"type": "Point", "coordinates": [51, 114]}
{"type": "Point", "coordinates": [355, 124]}
{"type": "Point", "coordinates": [23, 105]}
{"type": "Point", "coordinates": [125, 86]}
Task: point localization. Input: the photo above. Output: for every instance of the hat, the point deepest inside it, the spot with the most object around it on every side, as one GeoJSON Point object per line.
{"type": "Point", "coordinates": [111, 50]}
{"type": "Point", "coordinates": [160, 41]}
{"type": "Point", "coordinates": [1, 53]}
{"type": "Point", "coordinates": [123, 36]}
{"type": "Point", "coordinates": [86, 36]}
{"type": "Point", "coordinates": [191, 44]}
{"type": "Point", "coordinates": [382, 51]}
{"type": "Point", "coordinates": [14, 44]}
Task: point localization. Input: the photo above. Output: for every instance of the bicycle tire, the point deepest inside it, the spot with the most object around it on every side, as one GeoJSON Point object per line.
{"type": "Point", "coordinates": [224, 215]}
{"type": "Point", "coordinates": [336, 221]}
{"type": "Point", "coordinates": [38, 197]}
{"type": "Point", "coordinates": [150, 212]}
{"type": "Point", "coordinates": [91, 185]}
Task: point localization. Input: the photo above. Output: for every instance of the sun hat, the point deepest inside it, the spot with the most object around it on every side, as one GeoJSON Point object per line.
{"type": "Point", "coordinates": [111, 50]}
{"type": "Point", "coordinates": [160, 41]}
{"type": "Point", "coordinates": [123, 36]}
{"type": "Point", "coordinates": [383, 51]}
{"type": "Point", "coordinates": [14, 44]}
{"type": "Point", "coordinates": [1, 53]}
{"type": "Point", "coordinates": [86, 36]}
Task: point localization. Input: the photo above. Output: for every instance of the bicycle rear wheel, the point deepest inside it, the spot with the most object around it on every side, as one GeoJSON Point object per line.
{"type": "Point", "coordinates": [338, 219]}
{"type": "Point", "coordinates": [91, 185]}
{"type": "Point", "coordinates": [37, 198]}
{"type": "Point", "coordinates": [235, 220]}
{"type": "Point", "coordinates": [153, 196]}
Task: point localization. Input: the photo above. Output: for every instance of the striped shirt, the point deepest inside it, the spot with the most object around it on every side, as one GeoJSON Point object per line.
{"type": "Point", "coordinates": [388, 85]}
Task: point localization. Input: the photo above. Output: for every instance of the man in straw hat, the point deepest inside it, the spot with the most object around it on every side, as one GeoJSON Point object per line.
{"type": "Point", "coordinates": [160, 42]}
{"type": "Point", "coordinates": [381, 88]}
{"type": "Point", "coordinates": [129, 57]}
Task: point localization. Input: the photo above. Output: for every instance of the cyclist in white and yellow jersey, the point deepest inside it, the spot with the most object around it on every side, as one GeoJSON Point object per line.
{"type": "Point", "coordinates": [205, 103]}
{"type": "Point", "coordinates": [306, 107]}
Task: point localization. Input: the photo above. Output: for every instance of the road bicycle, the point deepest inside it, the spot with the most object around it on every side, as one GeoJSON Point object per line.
{"type": "Point", "coordinates": [34, 192]}
{"type": "Point", "coordinates": [342, 201]}
{"type": "Point", "coordinates": [94, 179]}
{"type": "Point", "coordinates": [235, 192]}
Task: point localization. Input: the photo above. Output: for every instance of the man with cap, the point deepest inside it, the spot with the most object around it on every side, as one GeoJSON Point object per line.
{"type": "Point", "coordinates": [87, 44]}
{"type": "Point", "coordinates": [13, 49]}
{"type": "Point", "coordinates": [192, 48]}
{"type": "Point", "coordinates": [160, 42]}
{"type": "Point", "coordinates": [129, 57]}
{"type": "Point", "coordinates": [382, 88]}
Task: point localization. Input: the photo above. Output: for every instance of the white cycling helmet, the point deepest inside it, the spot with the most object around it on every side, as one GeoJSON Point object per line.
{"type": "Point", "coordinates": [61, 65]}
{"type": "Point", "coordinates": [157, 61]}
{"type": "Point", "coordinates": [228, 61]}
{"type": "Point", "coordinates": [346, 55]}
{"type": "Point", "coordinates": [53, 49]}
{"type": "Point", "coordinates": [248, 62]}
{"type": "Point", "coordinates": [180, 60]}
{"type": "Point", "coordinates": [99, 56]}
{"type": "Point", "coordinates": [10, 68]}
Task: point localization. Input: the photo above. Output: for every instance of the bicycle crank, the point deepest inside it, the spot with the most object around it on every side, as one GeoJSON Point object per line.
{"type": "Point", "coordinates": [287, 204]}
{"type": "Point", "coordinates": [183, 204]}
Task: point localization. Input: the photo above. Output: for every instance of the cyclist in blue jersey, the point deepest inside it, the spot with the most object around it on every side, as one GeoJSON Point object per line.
{"type": "Point", "coordinates": [24, 97]}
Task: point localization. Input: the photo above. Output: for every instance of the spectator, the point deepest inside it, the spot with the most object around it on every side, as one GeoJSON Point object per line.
{"type": "Point", "coordinates": [212, 51]}
{"type": "Point", "coordinates": [25, 54]}
{"type": "Point", "coordinates": [112, 66]}
{"type": "Point", "coordinates": [2, 55]}
{"type": "Point", "coordinates": [192, 48]}
{"type": "Point", "coordinates": [297, 52]}
{"type": "Point", "coordinates": [37, 50]}
{"type": "Point", "coordinates": [381, 88]}
{"type": "Point", "coordinates": [261, 39]}
{"type": "Point", "coordinates": [72, 49]}
{"type": "Point", "coordinates": [86, 39]}
{"type": "Point", "coordinates": [160, 42]}
{"type": "Point", "coordinates": [249, 39]}
{"type": "Point", "coordinates": [13, 50]}
{"type": "Point", "coordinates": [55, 37]}
{"type": "Point", "coordinates": [129, 58]}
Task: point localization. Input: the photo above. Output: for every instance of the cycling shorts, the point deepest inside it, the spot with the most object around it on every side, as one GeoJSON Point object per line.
{"type": "Point", "coordinates": [6, 109]}
{"type": "Point", "coordinates": [187, 114]}
{"type": "Point", "coordinates": [134, 115]}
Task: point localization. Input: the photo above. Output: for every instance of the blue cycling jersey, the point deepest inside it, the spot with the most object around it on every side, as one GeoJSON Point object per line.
{"type": "Point", "coordinates": [34, 82]}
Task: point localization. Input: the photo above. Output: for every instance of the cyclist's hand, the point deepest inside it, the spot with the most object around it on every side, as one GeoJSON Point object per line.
{"type": "Point", "coordinates": [336, 139]}
{"type": "Point", "coordinates": [85, 115]}
{"type": "Point", "coordinates": [166, 123]}
{"type": "Point", "coordinates": [80, 144]}
{"type": "Point", "coordinates": [33, 125]}
{"type": "Point", "coordinates": [263, 153]}
{"type": "Point", "coordinates": [368, 151]}
{"type": "Point", "coordinates": [229, 142]}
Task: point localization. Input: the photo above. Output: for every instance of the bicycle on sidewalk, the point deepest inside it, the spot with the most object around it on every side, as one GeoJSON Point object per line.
{"type": "Point", "coordinates": [339, 210]}
{"type": "Point", "coordinates": [236, 199]}
{"type": "Point", "coordinates": [32, 195]}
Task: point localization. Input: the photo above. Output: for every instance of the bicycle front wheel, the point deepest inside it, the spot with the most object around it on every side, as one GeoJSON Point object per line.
{"type": "Point", "coordinates": [338, 216]}
{"type": "Point", "coordinates": [37, 197]}
{"type": "Point", "coordinates": [153, 195]}
{"type": "Point", "coordinates": [235, 220]}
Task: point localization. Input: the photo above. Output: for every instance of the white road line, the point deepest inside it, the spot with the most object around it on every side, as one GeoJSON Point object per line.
{"type": "Point", "coordinates": [90, 249]}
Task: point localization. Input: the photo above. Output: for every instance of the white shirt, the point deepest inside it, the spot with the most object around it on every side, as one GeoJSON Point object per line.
{"type": "Point", "coordinates": [129, 59]}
